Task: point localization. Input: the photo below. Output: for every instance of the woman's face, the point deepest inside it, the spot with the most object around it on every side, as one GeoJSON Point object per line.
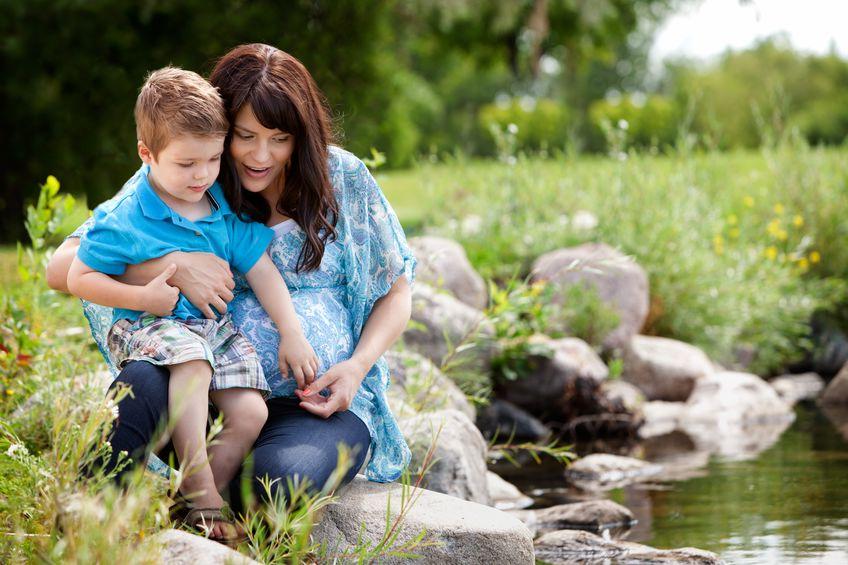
{"type": "Point", "coordinates": [260, 154]}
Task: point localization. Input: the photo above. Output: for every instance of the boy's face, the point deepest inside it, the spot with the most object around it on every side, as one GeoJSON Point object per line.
{"type": "Point", "coordinates": [186, 168]}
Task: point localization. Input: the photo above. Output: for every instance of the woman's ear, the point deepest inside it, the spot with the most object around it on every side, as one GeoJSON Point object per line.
{"type": "Point", "coordinates": [144, 153]}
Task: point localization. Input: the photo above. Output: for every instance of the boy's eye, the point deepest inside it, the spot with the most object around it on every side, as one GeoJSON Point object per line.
{"type": "Point", "coordinates": [216, 158]}
{"type": "Point", "coordinates": [185, 165]}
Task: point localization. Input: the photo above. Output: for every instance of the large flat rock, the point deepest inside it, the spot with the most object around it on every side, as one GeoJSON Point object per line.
{"type": "Point", "coordinates": [457, 531]}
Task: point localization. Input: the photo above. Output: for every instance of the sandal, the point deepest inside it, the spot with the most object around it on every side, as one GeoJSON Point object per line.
{"type": "Point", "coordinates": [203, 519]}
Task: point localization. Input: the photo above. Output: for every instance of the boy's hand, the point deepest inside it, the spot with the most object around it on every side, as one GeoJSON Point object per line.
{"type": "Point", "coordinates": [158, 297]}
{"type": "Point", "coordinates": [296, 354]}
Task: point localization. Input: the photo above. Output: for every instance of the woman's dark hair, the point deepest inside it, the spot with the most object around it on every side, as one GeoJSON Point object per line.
{"type": "Point", "coordinates": [282, 95]}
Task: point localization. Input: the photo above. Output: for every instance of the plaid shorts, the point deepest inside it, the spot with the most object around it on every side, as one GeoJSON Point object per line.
{"type": "Point", "coordinates": [165, 341]}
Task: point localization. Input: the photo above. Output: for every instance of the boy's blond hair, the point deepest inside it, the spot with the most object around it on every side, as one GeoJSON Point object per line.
{"type": "Point", "coordinates": [175, 102]}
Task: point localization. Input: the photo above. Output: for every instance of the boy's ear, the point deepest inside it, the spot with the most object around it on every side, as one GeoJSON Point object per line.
{"type": "Point", "coordinates": [144, 153]}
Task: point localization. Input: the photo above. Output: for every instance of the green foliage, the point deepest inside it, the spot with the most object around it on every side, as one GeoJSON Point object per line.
{"type": "Point", "coordinates": [717, 285]}
{"type": "Point", "coordinates": [649, 122]}
{"type": "Point", "coordinates": [791, 89]}
{"type": "Point", "coordinates": [540, 123]}
{"type": "Point", "coordinates": [585, 315]}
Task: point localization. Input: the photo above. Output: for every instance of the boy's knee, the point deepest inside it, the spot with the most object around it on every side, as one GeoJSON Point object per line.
{"type": "Point", "coordinates": [251, 417]}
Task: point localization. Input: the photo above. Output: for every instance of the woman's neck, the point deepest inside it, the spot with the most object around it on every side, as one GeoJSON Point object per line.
{"type": "Point", "coordinates": [272, 195]}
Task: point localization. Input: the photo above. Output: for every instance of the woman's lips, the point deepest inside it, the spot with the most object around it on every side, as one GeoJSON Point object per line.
{"type": "Point", "coordinates": [256, 172]}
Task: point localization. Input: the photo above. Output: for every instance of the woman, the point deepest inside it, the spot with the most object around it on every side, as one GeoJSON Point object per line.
{"type": "Point", "coordinates": [342, 253]}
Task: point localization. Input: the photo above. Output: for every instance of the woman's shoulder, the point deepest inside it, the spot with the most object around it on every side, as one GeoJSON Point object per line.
{"type": "Point", "coordinates": [344, 162]}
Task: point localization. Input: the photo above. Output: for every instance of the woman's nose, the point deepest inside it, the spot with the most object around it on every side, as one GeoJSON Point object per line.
{"type": "Point", "coordinates": [261, 153]}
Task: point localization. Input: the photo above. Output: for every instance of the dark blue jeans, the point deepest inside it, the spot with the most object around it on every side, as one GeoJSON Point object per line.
{"type": "Point", "coordinates": [293, 443]}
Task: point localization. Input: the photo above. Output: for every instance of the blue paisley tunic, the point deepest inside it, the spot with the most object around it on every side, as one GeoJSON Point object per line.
{"type": "Point", "coordinates": [332, 302]}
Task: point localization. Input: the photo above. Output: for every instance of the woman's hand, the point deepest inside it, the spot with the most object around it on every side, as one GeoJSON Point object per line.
{"type": "Point", "coordinates": [205, 280]}
{"type": "Point", "coordinates": [342, 380]}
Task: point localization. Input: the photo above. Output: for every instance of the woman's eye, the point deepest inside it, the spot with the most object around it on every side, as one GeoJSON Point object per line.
{"type": "Point", "coordinates": [244, 136]}
{"type": "Point", "coordinates": [281, 139]}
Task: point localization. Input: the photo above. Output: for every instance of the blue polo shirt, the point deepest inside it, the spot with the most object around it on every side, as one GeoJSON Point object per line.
{"type": "Point", "coordinates": [137, 225]}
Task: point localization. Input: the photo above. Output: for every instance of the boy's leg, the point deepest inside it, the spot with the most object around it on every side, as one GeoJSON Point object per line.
{"type": "Point", "coordinates": [188, 391]}
{"type": "Point", "coordinates": [244, 413]}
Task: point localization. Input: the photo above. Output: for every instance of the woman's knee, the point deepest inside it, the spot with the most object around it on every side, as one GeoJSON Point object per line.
{"type": "Point", "coordinates": [146, 381]}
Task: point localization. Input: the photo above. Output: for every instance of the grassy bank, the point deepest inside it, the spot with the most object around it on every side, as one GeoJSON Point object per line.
{"type": "Point", "coordinates": [740, 247]}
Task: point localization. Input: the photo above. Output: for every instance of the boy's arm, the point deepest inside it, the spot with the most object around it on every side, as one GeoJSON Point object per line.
{"type": "Point", "coordinates": [204, 279]}
{"type": "Point", "coordinates": [271, 290]}
{"type": "Point", "coordinates": [156, 297]}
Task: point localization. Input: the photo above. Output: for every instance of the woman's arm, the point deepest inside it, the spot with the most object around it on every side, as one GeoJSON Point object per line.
{"type": "Point", "coordinates": [203, 278]}
{"type": "Point", "coordinates": [387, 321]}
{"type": "Point", "coordinates": [60, 263]}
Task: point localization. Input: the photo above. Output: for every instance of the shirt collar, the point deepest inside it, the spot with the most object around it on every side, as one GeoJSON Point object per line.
{"type": "Point", "coordinates": [155, 208]}
{"type": "Point", "coordinates": [151, 205]}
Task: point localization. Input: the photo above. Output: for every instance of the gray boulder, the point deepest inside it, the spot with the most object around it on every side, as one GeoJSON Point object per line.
{"type": "Point", "coordinates": [574, 546]}
{"type": "Point", "coordinates": [735, 415]}
{"type": "Point", "coordinates": [504, 420]}
{"type": "Point", "coordinates": [592, 515]}
{"type": "Point", "coordinates": [442, 263]}
{"type": "Point", "coordinates": [604, 471]}
{"type": "Point", "coordinates": [793, 389]}
{"type": "Point", "coordinates": [561, 384]}
{"type": "Point", "coordinates": [505, 495]}
{"type": "Point", "coordinates": [459, 462]}
{"type": "Point", "coordinates": [422, 385]}
{"type": "Point", "coordinates": [664, 369]}
{"type": "Point", "coordinates": [619, 281]}
{"type": "Point", "coordinates": [456, 531]}
{"type": "Point", "coordinates": [837, 389]}
{"type": "Point", "coordinates": [441, 325]}
{"type": "Point", "coordinates": [661, 418]}
{"type": "Point", "coordinates": [182, 548]}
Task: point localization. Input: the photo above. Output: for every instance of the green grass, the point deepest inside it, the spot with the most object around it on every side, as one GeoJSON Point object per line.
{"type": "Point", "coordinates": [739, 247]}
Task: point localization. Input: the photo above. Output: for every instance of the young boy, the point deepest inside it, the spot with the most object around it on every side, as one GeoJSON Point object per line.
{"type": "Point", "coordinates": [174, 204]}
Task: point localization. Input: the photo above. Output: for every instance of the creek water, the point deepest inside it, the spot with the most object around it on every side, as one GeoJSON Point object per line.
{"type": "Point", "coordinates": [787, 504]}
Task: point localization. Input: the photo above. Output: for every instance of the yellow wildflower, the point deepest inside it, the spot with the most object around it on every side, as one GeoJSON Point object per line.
{"type": "Point", "coordinates": [803, 264]}
{"type": "Point", "coordinates": [815, 257]}
{"type": "Point", "coordinates": [733, 233]}
{"type": "Point", "coordinates": [732, 220]}
{"type": "Point", "coordinates": [771, 252]}
{"type": "Point", "coordinates": [782, 235]}
{"type": "Point", "coordinates": [773, 227]}
{"type": "Point", "coordinates": [9, 392]}
{"type": "Point", "coordinates": [748, 201]}
{"type": "Point", "coordinates": [718, 244]}
{"type": "Point", "coordinates": [779, 209]}
{"type": "Point", "coordinates": [797, 221]}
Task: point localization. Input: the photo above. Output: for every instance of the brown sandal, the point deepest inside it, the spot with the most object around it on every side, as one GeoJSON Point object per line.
{"type": "Point", "coordinates": [204, 519]}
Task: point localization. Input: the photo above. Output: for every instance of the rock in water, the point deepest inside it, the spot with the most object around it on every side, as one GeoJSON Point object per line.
{"type": "Point", "coordinates": [573, 546]}
{"type": "Point", "coordinates": [603, 471]}
{"type": "Point", "coordinates": [793, 389]}
{"type": "Point", "coordinates": [458, 532]}
{"type": "Point", "coordinates": [664, 369]}
{"type": "Point", "coordinates": [505, 495]}
{"type": "Point", "coordinates": [592, 515]}
{"type": "Point", "coordinates": [620, 282]}
{"type": "Point", "coordinates": [503, 420]}
{"type": "Point", "coordinates": [837, 390]}
{"type": "Point", "coordinates": [442, 263]}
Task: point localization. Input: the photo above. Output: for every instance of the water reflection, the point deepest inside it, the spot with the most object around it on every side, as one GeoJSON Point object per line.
{"type": "Point", "coordinates": [784, 502]}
